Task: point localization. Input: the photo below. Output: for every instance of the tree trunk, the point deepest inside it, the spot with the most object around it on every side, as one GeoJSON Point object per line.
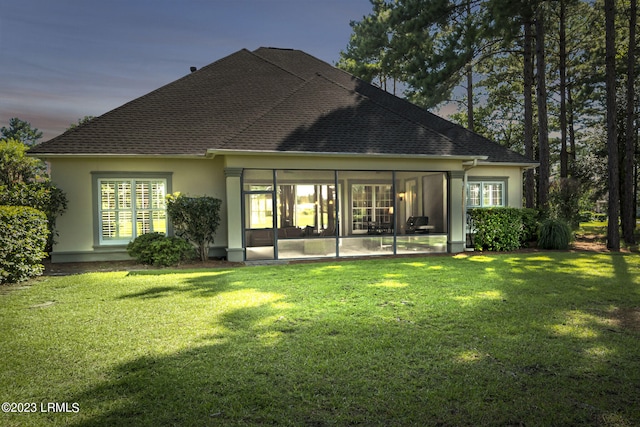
{"type": "Point", "coordinates": [543, 126]}
{"type": "Point", "coordinates": [572, 132]}
{"type": "Point", "coordinates": [469, 71]}
{"type": "Point", "coordinates": [530, 185]}
{"type": "Point", "coordinates": [470, 124]}
{"type": "Point", "coordinates": [628, 214]}
{"type": "Point", "coordinates": [564, 158]}
{"type": "Point", "coordinates": [613, 233]}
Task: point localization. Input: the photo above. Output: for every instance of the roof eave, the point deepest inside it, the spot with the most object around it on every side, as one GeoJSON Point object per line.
{"type": "Point", "coordinates": [225, 152]}
{"type": "Point", "coordinates": [523, 165]}
{"type": "Point", "coordinates": [116, 155]}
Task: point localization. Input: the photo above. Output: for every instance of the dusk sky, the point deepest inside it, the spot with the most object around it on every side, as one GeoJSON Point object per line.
{"type": "Point", "coordinates": [61, 60]}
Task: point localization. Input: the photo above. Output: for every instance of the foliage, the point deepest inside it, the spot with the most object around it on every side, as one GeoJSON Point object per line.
{"type": "Point", "coordinates": [140, 247]}
{"type": "Point", "coordinates": [20, 185]}
{"type": "Point", "coordinates": [501, 229]}
{"type": "Point", "coordinates": [486, 339]}
{"type": "Point", "coordinates": [23, 236]}
{"type": "Point", "coordinates": [554, 234]}
{"type": "Point", "coordinates": [564, 201]}
{"type": "Point", "coordinates": [15, 166]}
{"type": "Point", "coordinates": [21, 131]}
{"type": "Point", "coordinates": [530, 223]}
{"type": "Point", "coordinates": [82, 121]}
{"type": "Point", "coordinates": [590, 216]}
{"type": "Point", "coordinates": [195, 219]}
{"type": "Point", "coordinates": [41, 195]}
{"type": "Point", "coordinates": [158, 249]}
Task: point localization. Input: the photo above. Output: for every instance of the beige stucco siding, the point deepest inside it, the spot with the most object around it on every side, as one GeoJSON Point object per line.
{"type": "Point", "coordinates": [74, 177]}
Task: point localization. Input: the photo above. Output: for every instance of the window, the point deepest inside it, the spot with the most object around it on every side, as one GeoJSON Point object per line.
{"type": "Point", "coordinates": [485, 194]}
{"type": "Point", "coordinates": [370, 204]}
{"type": "Point", "coordinates": [128, 208]}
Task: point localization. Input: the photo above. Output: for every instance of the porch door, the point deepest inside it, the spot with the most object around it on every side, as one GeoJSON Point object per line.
{"type": "Point", "coordinates": [259, 226]}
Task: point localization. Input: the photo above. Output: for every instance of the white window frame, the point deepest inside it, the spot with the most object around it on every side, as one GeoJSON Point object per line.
{"type": "Point", "coordinates": [375, 209]}
{"type": "Point", "coordinates": [132, 203]}
{"type": "Point", "coordinates": [484, 186]}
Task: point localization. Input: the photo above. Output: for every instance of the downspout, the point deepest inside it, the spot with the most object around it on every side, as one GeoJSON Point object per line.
{"type": "Point", "coordinates": [465, 179]}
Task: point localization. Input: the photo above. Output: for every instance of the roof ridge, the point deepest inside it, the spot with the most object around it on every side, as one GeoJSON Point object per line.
{"type": "Point", "coordinates": [274, 64]}
{"type": "Point", "coordinates": [265, 112]}
{"type": "Point", "coordinates": [422, 125]}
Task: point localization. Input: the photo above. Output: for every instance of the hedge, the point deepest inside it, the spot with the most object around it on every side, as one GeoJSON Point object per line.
{"type": "Point", "coordinates": [23, 236]}
{"type": "Point", "coordinates": [502, 229]}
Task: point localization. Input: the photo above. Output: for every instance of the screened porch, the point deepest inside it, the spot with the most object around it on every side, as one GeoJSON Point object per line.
{"type": "Point", "coordinates": [293, 214]}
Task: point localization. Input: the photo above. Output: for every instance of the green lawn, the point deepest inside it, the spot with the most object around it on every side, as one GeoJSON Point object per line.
{"type": "Point", "coordinates": [535, 339]}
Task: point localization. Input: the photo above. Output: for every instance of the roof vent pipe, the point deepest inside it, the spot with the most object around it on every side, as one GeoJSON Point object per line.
{"type": "Point", "coordinates": [193, 69]}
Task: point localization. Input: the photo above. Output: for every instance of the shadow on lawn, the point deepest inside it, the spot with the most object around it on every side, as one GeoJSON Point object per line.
{"type": "Point", "coordinates": [205, 284]}
{"type": "Point", "coordinates": [509, 352]}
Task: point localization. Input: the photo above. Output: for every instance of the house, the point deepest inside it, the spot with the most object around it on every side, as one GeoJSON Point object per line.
{"type": "Point", "coordinates": [308, 160]}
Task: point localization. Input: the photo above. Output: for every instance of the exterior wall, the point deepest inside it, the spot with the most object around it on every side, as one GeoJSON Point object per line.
{"type": "Point", "coordinates": [74, 176]}
{"type": "Point", "coordinates": [219, 176]}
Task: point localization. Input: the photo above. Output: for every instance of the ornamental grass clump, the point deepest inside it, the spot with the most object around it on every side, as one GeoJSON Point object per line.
{"type": "Point", "coordinates": [554, 234]}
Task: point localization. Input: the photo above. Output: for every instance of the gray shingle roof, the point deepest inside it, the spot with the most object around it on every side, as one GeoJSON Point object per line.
{"type": "Point", "coordinates": [272, 100]}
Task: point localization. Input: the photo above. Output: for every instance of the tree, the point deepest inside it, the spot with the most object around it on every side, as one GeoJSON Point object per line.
{"type": "Point", "coordinates": [628, 199]}
{"type": "Point", "coordinates": [21, 131]}
{"type": "Point", "coordinates": [20, 185]}
{"type": "Point", "coordinates": [562, 70]}
{"type": "Point", "coordinates": [15, 166]}
{"type": "Point", "coordinates": [543, 126]}
{"type": "Point", "coordinates": [430, 46]}
{"type": "Point", "coordinates": [527, 53]}
{"type": "Point", "coordinates": [195, 219]}
{"type": "Point", "coordinates": [613, 233]}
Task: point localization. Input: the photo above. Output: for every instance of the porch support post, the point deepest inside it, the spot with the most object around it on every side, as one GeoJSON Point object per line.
{"type": "Point", "coordinates": [235, 251]}
{"type": "Point", "coordinates": [456, 241]}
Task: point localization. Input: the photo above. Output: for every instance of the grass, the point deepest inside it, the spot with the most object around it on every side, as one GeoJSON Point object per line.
{"type": "Point", "coordinates": [546, 338]}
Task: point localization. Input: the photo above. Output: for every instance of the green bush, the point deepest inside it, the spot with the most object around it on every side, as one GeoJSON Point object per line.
{"type": "Point", "coordinates": [23, 236]}
{"type": "Point", "coordinates": [158, 249]}
{"type": "Point", "coordinates": [140, 248]}
{"type": "Point", "coordinates": [530, 225]}
{"type": "Point", "coordinates": [554, 234]}
{"type": "Point", "coordinates": [502, 229]}
{"type": "Point", "coordinates": [564, 201]}
{"type": "Point", "coordinates": [195, 219]}
{"type": "Point", "coordinates": [41, 195]}
{"type": "Point", "coordinates": [172, 251]}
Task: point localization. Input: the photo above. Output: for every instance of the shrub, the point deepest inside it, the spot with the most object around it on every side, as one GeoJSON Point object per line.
{"type": "Point", "coordinates": [171, 251]}
{"type": "Point", "coordinates": [498, 229]}
{"type": "Point", "coordinates": [554, 234]}
{"type": "Point", "coordinates": [195, 219]}
{"type": "Point", "coordinates": [23, 236]}
{"type": "Point", "coordinates": [157, 249]}
{"type": "Point", "coordinates": [530, 224]}
{"type": "Point", "coordinates": [140, 248]}
{"type": "Point", "coordinates": [41, 195]}
{"type": "Point", "coordinates": [564, 201]}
